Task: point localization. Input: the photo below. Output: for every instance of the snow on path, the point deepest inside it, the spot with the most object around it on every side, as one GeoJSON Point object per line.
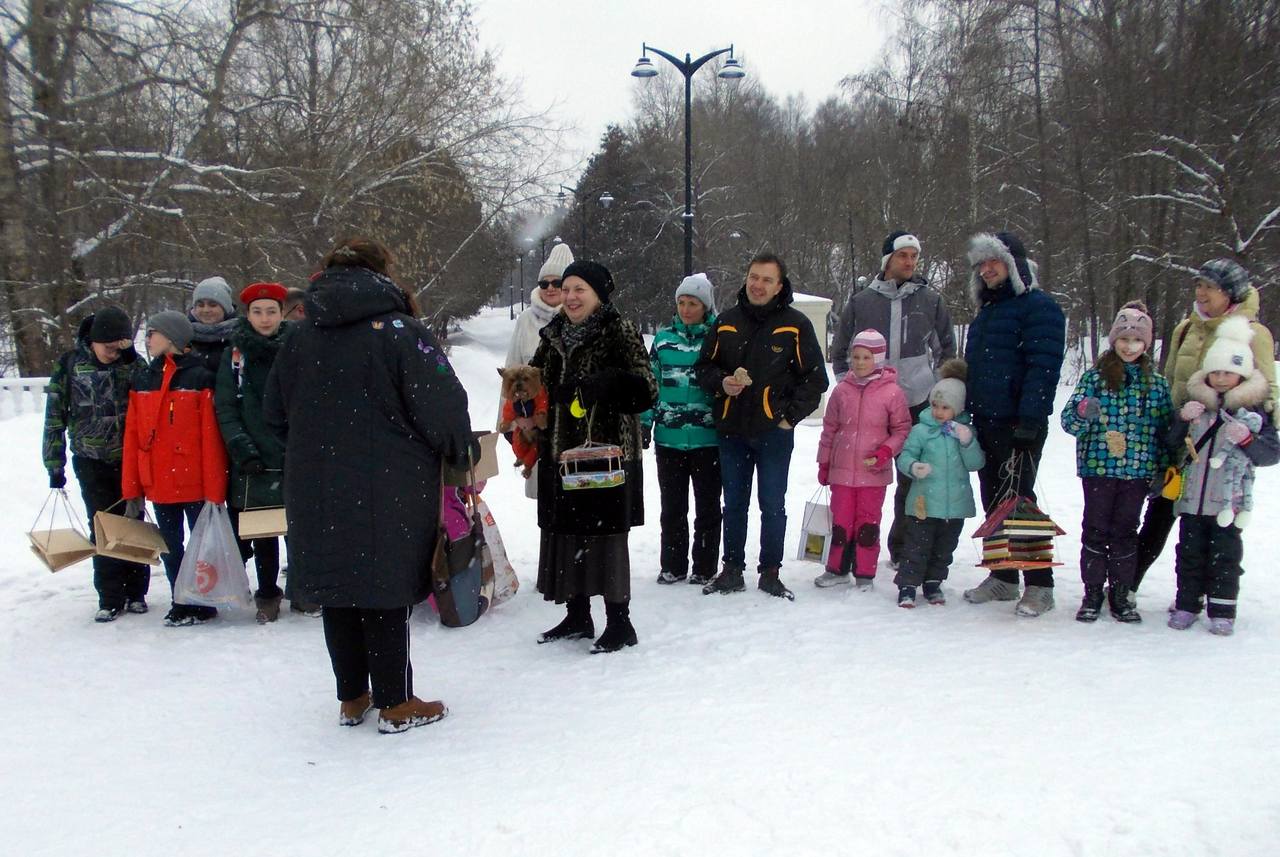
{"type": "Point", "coordinates": [839, 724]}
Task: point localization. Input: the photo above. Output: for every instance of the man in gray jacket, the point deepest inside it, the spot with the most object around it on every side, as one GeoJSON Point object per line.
{"type": "Point", "coordinates": [914, 320]}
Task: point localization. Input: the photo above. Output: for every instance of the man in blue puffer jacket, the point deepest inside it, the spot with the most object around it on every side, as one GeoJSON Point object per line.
{"type": "Point", "coordinates": [1015, 351]}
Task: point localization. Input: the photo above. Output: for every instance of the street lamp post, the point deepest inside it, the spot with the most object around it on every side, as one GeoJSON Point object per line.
{"type": "Point", "coordinates": [605, 200]}
{"type": "Point", "coordinates": [732, 70]}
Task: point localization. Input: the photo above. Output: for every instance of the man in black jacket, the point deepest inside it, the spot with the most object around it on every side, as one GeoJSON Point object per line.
{"type": "Point", "coordinates": [764, 366]}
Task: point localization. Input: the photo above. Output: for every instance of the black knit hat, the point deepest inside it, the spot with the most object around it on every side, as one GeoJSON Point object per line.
{"type": "Point", "coordinates": [596, 275]}
{"type": "Point", "coordinates": [110, 324]}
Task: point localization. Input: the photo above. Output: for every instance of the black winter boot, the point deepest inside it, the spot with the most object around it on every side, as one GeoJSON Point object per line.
{"type": "Point", "coordinates": [1091, 606]}
{"type": "Point", "coordinates": [728, 580]}
{"type": "Point", "coordinates": [1121, 607]}
{"type": "Point", "coordinates": [577, 624]}
{"type": "Point", "coordinates": [770, 583]}
{"type": "Point", "coordinates": [618, 633]}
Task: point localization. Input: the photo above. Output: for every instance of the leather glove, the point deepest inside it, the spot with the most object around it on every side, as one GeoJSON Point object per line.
{"type": "Point", "coordinates": [1089, 409]}
{"type": "Point", "coordinates": [253, 467]}
{"type": "Point", "coordinates": [1191, 411]}
{"type": "Point", "coordinates": [58, 479]}
{"type": "Point", "coordinates": [1237, 432]}
{"type": "Point", "coordinates": [646, 436]}
{"type": "Point", "coordinates": [921, 469]}
{"type": "Point", "coordinates": [824, 474]}
{"type": "Point", "coordinates": [133, 508]}
{"type": "Point", "coordinates": [1025, 436]}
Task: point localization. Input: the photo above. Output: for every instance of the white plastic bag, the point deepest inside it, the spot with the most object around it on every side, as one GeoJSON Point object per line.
{"type": "Point", "coordinates": [815, 528]}
{"type": "Point", "coordinates": [504, 574]}
{"type": "Point", "coordinates": [212, 573]}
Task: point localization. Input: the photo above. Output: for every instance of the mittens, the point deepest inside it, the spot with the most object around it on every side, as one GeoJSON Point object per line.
{"type": "Point", "coordinates": [1025, 436]}
{"type": "Point", "coordinates": [1237, 432]}
{"type": "Point", "coordinates": [959, 431]}
{"type": "Point", "coordinates": [57, 478]}
{"type": "Point", "coordinates": [1089, 409]}
{"type": "Point", "coordinates": [921, 469]}
{"type": "Point", "coordinates": [824, 474]}
{"type": "Point", "coordinates": [1191, 411]}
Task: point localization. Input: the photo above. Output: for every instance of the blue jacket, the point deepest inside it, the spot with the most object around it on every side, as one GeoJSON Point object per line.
{"type": "Point", "coordinates": [947, 491]}
{"type": "Point", "coordinates": [1141, 410]}
{"type": "Point", "coordinates": [1015, 351]}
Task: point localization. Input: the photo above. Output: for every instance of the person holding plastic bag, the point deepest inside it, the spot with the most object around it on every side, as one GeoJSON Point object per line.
{"type": "Point", "coordinates": [369, 408]}
{"type": "Point", "coordinates": [173, 452]}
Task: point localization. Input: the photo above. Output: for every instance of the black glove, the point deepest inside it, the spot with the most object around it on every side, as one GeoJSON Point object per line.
{"type": "Point", "coordinates": [253, 467]}
{"type": "Point", "coordinates": [1025, 436]}
{"type": "Point", "coordinates": [646, 435]}
{"type": "Point", "coordinates": [57, 478]}
{"type": "Point", "coordinates": [565, 394]}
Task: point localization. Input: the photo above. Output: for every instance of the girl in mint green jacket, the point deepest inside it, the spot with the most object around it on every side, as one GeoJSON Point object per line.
{"type": "Point", "coordinates": [939, 455]}
{"type": "Point", "coordinates": [684, 430]}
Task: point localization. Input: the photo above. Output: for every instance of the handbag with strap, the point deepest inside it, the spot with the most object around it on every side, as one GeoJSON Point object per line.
{"type": "Point", "coordinates": [462, 578]}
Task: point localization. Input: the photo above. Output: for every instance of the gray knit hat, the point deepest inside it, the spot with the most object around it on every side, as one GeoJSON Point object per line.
{"type": "Point", "coordinates": [950, 391]}
{"type": "Point", "coordinates": [174, 325]}
{"type": "Point", "coordinates": [1226, 275]}
{"type": "Point", "coordinates": [217, 290]}
{"type": "Point", "coordinates": [698, 286]}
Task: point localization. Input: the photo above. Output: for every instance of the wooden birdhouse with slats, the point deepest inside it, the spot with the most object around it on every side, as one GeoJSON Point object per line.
{"type": "Point", "coordinates": [1018, 535]}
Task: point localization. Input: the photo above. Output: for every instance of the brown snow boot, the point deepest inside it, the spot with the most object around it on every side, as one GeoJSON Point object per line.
{"type": "Point", "coordinates": [410, 713]}
{"type": "Point", "coordinates": [352, 712]}
{"type": "Point", "coordinates": [268, 608]}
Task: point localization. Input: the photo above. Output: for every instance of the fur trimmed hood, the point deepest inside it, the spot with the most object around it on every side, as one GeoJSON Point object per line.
{"type": "Point", "coordinates": [1006, 247]}
{"type": "Point", "coordinates": [1251, 393]}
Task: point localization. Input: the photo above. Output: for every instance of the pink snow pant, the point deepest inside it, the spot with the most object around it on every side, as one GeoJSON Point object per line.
{"type": "Point", "coordinates": [855, 524]}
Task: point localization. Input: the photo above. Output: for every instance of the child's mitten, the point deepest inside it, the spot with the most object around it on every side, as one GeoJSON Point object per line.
{"type": "Point", "coordinates": [1237, 432]}
{"type": "Point", "coordinates": [921, 469]}
{"type": "Point", "coordinates": [1191, 410]}
{"type": "Point", "coordinates": [959, 431]}
{"type": "Point", "coordinates": [1089, 409]}
{"type": "Point", "coordinates": [1226, 517]}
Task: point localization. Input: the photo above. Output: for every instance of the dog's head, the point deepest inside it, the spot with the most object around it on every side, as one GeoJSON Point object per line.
{"type": "Point", "coordinates": [521, 383]}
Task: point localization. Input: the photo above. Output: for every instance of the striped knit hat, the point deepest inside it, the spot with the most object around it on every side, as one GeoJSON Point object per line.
{"type": "Point", "coordinates": [873, 342]}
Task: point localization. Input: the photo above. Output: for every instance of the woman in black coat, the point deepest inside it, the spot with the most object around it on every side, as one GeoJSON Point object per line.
{"type": "Point", "coordinates": [370, 407]}
{"type": "Point", "coordinates": [597, 374]}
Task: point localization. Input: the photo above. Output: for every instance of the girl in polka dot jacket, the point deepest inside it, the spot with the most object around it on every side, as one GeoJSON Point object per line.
{"type": "Point", "coordinates": [1119, 415]}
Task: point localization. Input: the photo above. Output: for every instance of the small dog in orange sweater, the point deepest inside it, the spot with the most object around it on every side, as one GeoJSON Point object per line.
{"type": "Point", "coordinates": [524, 413]}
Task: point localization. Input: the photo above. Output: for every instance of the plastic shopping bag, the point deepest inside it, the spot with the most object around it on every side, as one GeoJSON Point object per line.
{"type": "Point", "coordinates": [504, 574]}
{"type": "Point", "coordinates": [212, 573]}
{"type": "Point", "coordinates": [815, 529]}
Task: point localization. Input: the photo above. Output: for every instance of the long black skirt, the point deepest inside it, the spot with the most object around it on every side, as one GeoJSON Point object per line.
{"type": "Point", "coordinates": [571, 565]}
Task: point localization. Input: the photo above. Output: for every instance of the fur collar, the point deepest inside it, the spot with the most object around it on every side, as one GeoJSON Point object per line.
{"type": "Point", "coordinates": [985, 246]}
{"type": "Point", "coordinates": [1250, 394]}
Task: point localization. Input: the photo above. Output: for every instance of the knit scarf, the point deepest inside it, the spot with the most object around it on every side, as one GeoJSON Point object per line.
{"type": "Point", "coordinates": [574, 335]}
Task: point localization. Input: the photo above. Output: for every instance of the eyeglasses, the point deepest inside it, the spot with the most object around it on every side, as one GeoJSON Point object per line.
{"type": "Point", "coordinates": [549, 284]}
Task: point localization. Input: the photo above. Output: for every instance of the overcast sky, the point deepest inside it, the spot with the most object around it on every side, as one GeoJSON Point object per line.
{"type": "Point", "coordinates": [578, 54]}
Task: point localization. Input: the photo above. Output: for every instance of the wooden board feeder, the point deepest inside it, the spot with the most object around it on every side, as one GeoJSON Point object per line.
{"type": "Point", "coordinates": [592, 465]}
{"type": "Point", "coordinates": [1018, 535]}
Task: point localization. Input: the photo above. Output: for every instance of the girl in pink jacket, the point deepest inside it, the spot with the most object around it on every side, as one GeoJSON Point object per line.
{"type": "Point", "coordinates": [866, 424]}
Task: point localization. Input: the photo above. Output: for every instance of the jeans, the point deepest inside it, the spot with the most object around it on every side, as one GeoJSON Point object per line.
{"type": "Point", "coordinates": [741, 458]}
{"type": "Point", "coordinates": [677, 468]}
{"type": "Point", "coordinates": [169, 519]}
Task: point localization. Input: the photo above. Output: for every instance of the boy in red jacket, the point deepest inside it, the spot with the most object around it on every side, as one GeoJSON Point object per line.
{"type": "Point", "coordinates": [173, 452]}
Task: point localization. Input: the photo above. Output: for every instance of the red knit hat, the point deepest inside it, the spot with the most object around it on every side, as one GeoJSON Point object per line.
{"type": "Point", "coordinates": [264, 291]}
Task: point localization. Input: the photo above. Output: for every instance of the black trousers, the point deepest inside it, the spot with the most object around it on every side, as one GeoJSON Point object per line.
{"type": "Point", "coordinates": [898, 529]}
{"type": "Point", "coordinates": [1109, 534]}
{"type": "Point", "coordinates": [369, 650]}
{"type": "Point", "coordinates": [266, 556]}
{"type": "Point", "coordinates": [676, 470]}
{"type": "Point", "coordinates": [928, 549]}
{"type": "Point", "coordinates": [116, 580]}
{"type": "Point", "coordinates": [1208, 566]}
{"type": "Point", "coordinates": [1156, 526]}
{"type": "Point", "coordinates": [1004, 473]}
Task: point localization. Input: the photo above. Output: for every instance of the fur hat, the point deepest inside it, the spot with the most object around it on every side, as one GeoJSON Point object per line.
{"type": "Point", "coordinates": [110, 324]}
{"type": "Point", "coordinates": [1132, 320]}
{"type": "Point", "coordinates": [698, 286]}
{"type": "Point", "coordinates": [558, 259]}
{"type": "Point", "coordinates": [596, 275]}
{"type": "Point", "coordinates": [175, 326]}
{"type": "Point", "coordinates": [1008, 248]}
{"type": "Point", "coordinates": [873, 341]}
{"type": "Point", "coordinates": [895, 242]}
{"type": "Point", "coordinates": [1230, 351]}
{"type": "Point", "coordinates": [950, 390]}
{"type": "Point", "coordinates": [1226, 275]}
{"type": "Point", "coordinates": [214, 289]}
{"type": "Point", "coordinates": [264, 292]}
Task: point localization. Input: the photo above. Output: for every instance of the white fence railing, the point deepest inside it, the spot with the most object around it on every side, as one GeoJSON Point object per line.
{"type": "Point", "coordinates": [21, 396]}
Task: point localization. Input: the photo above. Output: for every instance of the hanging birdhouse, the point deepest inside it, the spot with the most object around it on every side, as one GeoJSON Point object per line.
{"type": "Point", "coordinates": [1018, 535]}
{"type": "Point", "coordinates": [592, 465]}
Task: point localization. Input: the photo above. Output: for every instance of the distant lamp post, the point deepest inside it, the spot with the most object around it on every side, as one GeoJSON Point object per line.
{"type": "Point", "coordinates": [604, 201]}
{"type": "Point", "coordinates": [731, 70]}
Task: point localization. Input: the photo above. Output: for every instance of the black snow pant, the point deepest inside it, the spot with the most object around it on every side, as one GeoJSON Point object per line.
{"type": "Point", "coordinates": [1109, 534]}
{"type": "Point", "coordinates": [996, 480]}
{"type": "Point", "coordinates": [927, 550]}
{"type": "Point", "coordinates": [369, 650]}
{"type": "Point", "coordinates": [898, 529]}
{"type": "Point", "coordinates": [116, 580]}
{"type": "Point", "coordinates": [266, 556]}
{"type": "Point", "coordinates": [678, 468]}
{"type": "Point", "coordinates": [1156, 526]}
{"type": "Point", "coordinates": [1208, 566]}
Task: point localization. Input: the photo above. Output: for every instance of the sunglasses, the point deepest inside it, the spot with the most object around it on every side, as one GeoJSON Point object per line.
{"type": "Point", "coordinates": [549, 284]}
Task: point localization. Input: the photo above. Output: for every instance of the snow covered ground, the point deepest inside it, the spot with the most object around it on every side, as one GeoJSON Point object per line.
{"type": "Point", "coordinates": [838, 724]}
